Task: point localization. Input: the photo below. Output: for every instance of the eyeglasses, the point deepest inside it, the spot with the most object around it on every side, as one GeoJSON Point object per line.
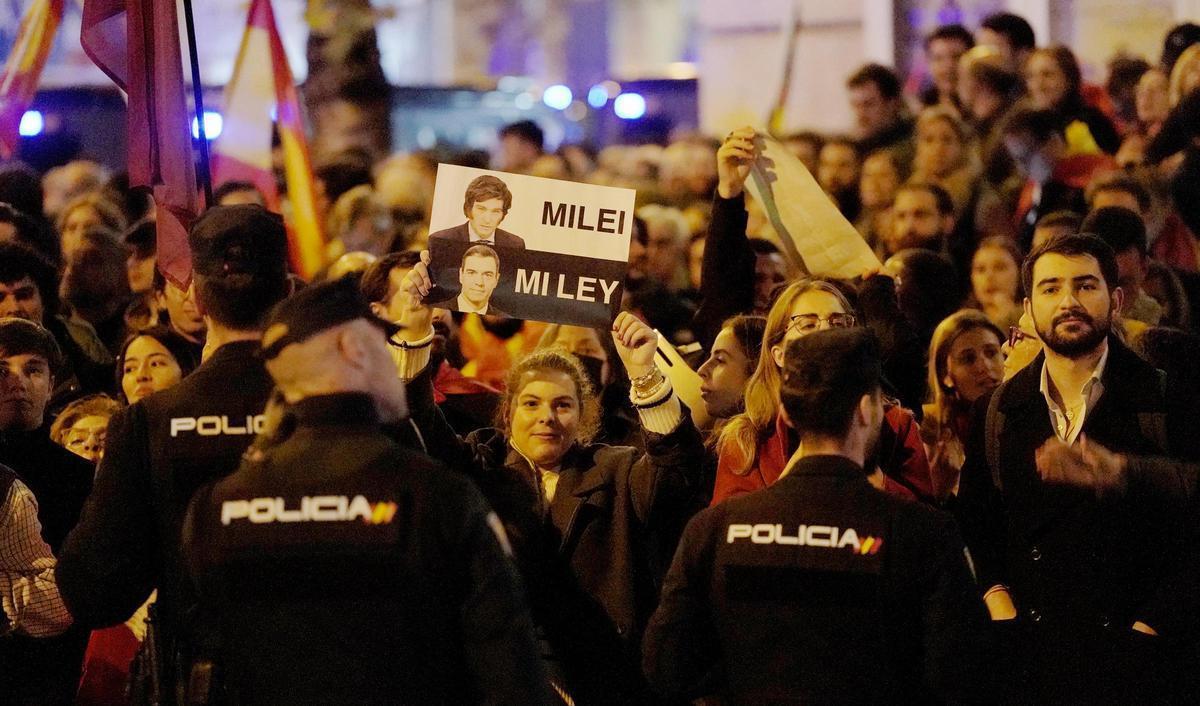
{"type": "Point", "coordinates": [1016, 335]}
{"type": "Point", "coordinates": [807, 323]}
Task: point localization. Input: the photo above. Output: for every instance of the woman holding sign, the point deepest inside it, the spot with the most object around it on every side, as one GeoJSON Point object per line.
{"type": "Point", "coordinates": [591, 525]}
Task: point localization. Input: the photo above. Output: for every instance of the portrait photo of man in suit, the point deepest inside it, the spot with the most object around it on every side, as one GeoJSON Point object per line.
{"type": "Point", "coordinates": [478, 276]}
{"type": "Point", "coordinates": [485, 204]}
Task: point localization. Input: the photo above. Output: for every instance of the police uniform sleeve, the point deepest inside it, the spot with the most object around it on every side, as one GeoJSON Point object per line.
{"type": "Point", "coordinates": [108, 564]}
{"type": "Point", "coordinates": [500, 647]}
{"type": "Point", "coordinates": [954, 620]}
{"type": "Point", "coordinates": [679, 652]}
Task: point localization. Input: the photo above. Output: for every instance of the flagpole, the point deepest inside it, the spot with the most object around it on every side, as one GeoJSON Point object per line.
{"type": "Point", "coordinates": [198, 92]}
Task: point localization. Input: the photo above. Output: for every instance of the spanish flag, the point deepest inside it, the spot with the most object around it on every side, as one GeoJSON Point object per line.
{"type": "Point", "coordinates": [262, 85]}
{"type": "Point", "coordinates": [24, 67]}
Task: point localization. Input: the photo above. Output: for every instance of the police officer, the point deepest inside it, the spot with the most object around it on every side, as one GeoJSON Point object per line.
{"type": "Point", "coordinates": [161, 449]}
{"type": "Point", "coordinates": [345, 568]}
{"type": "Point", "coordinates": [820, 588]}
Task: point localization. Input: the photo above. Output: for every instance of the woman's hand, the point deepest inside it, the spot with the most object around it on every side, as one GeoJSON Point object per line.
{"type": "Point", "coordinates": [415, 317]}
{"type": "Point", "coordinates": [734, 158]}
{"type": "Point", "coordinates": [636, 344]}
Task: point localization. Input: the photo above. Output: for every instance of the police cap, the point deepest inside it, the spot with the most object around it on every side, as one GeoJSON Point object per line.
{"type": "Point", "coordinates": [243, 239]}
{"type": "Point", "coordinates": [315, 309]}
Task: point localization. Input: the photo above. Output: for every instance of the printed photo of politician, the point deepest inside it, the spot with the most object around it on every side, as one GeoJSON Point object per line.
{"type": "Point", "coordinates": [485, 204]}
{"type": "Point", "coordinates": [478, 276]}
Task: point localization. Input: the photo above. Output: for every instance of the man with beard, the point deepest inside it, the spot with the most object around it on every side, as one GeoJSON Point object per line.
{"type": "Point", "coordinates": [820, 588]}
{"type": "Point", "coordinates": [1085, 579]}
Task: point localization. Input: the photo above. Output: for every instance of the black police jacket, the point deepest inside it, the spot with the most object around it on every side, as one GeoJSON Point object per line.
{"type": "Point", "coordinates": [158, 452]}
{"type": "Point", "coordinates": [345, 568]}
{"type": "Point", "coordinates": [818, 589]}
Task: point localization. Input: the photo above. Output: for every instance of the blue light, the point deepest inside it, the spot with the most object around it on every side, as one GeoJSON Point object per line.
{"type": "Point", "coordinates": [557, 96]}
{"type": "Point", "coordinates": [213, 124]}
{"type": "Point", "coordinates": [598, 96]}
{"type": "Point", "coordinates": [31, 124]}
{"type": "Point", "coordinates": [629, 106]}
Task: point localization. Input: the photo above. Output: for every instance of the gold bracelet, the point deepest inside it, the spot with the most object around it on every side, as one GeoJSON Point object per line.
{"type": "Point", "coordinates": [646, 385]}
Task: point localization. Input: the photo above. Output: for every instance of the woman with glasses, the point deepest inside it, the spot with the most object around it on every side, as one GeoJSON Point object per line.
{"type": "Point", "coordinates": [754, 447]}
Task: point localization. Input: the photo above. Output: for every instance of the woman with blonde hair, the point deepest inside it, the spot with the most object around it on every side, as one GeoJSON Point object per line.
{"type": "Point", "coordinates": [944, 157]}
{"type": "Point", "coordinates": [583, 517]}
{"type": "Point", "coordinates": [965, 363]}
{"type": "Point", "coordinates": [82, 426]}
{"type": "Point", "coordinates": [359, 222]}
{"type": "Point", "coordinates": [754, 446]}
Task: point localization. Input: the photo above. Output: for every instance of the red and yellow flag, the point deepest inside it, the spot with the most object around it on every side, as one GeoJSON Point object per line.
{"type": "Point", "coordinates": [24, 67]}
{"type": "Point", "coordinates": [262, 85]}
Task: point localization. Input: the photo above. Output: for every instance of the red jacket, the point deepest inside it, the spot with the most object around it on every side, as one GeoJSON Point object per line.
{"type": "Point", "coordinates": [900, 455]}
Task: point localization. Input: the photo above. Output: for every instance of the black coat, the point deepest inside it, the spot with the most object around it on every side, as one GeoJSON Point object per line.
{"type": "Point", "coordinates": [1081, 570]}
{"type": "Point", "coordinates": [593, 562]}
{"type": "Point", "coordinates": [420, 607]}
{"type": "Point", "coordinates": [889, 615]}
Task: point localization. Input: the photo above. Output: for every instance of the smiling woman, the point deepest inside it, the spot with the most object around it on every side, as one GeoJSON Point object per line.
{"type": "Point", "coordinates": [550, 406]}
{"type": "Point", "coordinates": [592, 526]}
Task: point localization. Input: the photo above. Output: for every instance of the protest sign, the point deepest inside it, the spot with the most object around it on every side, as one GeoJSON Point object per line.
{"type": "Point", "coordinates": [527, 247]}
{"type": "Point", "coordinates": [815, 236]}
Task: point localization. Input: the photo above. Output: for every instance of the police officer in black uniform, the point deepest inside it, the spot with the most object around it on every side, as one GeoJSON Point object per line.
{"type": "Point", "coordinates": [160, 450]}
{"type": "Point", "coordinates": [344, 567]}
{"type": "Point", "coordinates": [821, 588]}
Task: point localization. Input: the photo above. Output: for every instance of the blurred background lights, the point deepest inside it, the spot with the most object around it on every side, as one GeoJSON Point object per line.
{"type": "Point", "coordinates": [31, 124]}
{"type": "Point", "coordinates": [523, 101]}
{"type": "Point", "coordinates": [213, 124]}
{"type": "Point", "coordinates": [629, 106]}
{"type": "Point", "coordinates": [557, 97]}
{"type": "Point", "coordinates": [576, 111]}
{"type": "Point", "coordinates": [597, 96]}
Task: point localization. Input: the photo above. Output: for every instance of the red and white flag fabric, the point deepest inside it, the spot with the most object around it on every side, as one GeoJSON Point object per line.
{"type": "Point", "coordinates": [260, 92]}
{"type": "Point", "coordinates": [19, 82]}
{"type": "Point", "coordinates": [136, 42]}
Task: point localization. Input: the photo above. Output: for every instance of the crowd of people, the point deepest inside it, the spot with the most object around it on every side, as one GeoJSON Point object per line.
{"type": "Point", "coordinates": [967, 475]}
